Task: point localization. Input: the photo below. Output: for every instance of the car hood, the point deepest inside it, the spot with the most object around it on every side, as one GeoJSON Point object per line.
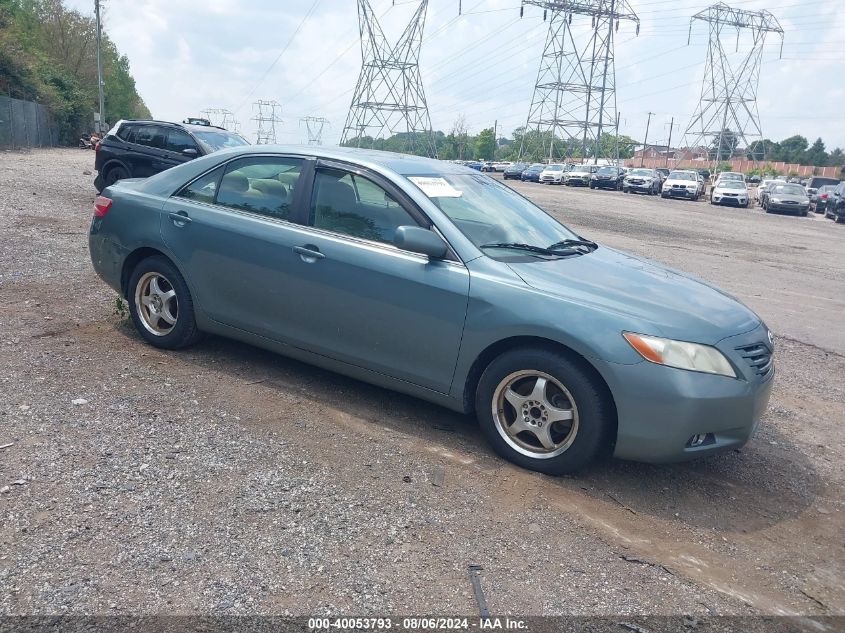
{"type": "Point", "coordinates": [792, 197]}
{"type": "Point", "coordinates": [677, 305]}
{"type": "Point", "coordinates": [672, 181]}
{"type": "Point", "coordinates": [579, 172]}
{"type": "Point", "coordinates": [721, 190]}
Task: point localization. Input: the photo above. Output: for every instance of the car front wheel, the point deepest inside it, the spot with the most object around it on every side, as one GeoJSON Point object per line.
{"type": "Point", "coordinates": [161, 306]}
{"type": "Point", "coordinates": [543, 411]}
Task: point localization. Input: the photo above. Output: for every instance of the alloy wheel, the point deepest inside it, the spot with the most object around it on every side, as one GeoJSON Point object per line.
{"type": "Point", "coordinates": [535, 414]}
{"type": "Point", "coordinates": [156, 303]}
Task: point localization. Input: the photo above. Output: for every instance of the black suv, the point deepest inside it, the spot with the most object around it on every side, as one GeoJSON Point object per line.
{"type": "Point", "coordinates": [137, 149]}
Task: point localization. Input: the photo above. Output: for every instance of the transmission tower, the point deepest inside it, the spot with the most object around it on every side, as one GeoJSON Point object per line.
{"type": "Point", "coordinates": [314, 126]}
{"type": "Point", "coordinates": [266, 118]}
{"type": "Point", "coordinates": [220, 117]}
{"type": "Point", "coordinates": [729, 90]}
{"type": "Point", "coordinates": [389, 97]}
{"type": "Point", "coordinates": [574, 99]}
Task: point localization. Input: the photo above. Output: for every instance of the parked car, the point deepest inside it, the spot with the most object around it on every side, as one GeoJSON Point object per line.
{"type": "Point", "coordinates": [683, 184]}
{"type": "Point", "coordinates": [532, 174]}
{"type": "Point", "coordinates": [418, 276]}
{"type": "Point", "coordinates": [551, 175]}
{"type": "Point", "coordinates": [763, 190]}
{"type": "Point", "coordinates": [819, 200]}
{"type": "Point", "coordinates": [579, 175]}
{"type": "Point", "coordinates": [815, 182]}
{"type": "Point", "coordinates": [514, 171]}
{"type": "Point", "coordinates": [705, 173]}
{"type": "Point", "coordinates": [730, 192]}
{"type": "Point", "coordinates": [730, 175]}
{"type": "Point", "coordinates": [664, 172]}
{"type": "Point", "coordinates": [786, 197]}
{"type": "Point", "coordinates": [501, 165]}
{"type": "Point", "coordinates": [473, 164]}
{"type": "Point", "coordinates": [835, 208]}
{"type": "Point", "coordinates": [607, 178]}
{"type": "Point", "coordinates": [487, 166]}
{"type": "Point", "coordinates": [753, 180]}
{"type": "Point", "coordinates": [138, 149]}
{"type": "Point", "coordinates": [642, 180]}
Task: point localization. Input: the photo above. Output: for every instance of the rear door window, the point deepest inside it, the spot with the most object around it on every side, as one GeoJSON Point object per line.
{"type": "Point", "coordinates": [260, 184]}
{"type": "Point", "coordinates": [151, 136]}
{"type": "Point", "coordinates": [126, 133]}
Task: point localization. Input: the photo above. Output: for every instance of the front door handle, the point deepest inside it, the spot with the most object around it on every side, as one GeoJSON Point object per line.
{"type": "Point", "coordinates": [308, 253]}
{"type": "Point", "coordinates": [180, 218]}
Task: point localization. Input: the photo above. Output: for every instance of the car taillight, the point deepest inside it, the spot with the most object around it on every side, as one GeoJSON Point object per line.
{"type": "Point", "coordinates": [824, 195]}
{"type": "Point", "coordinates": [101, 206]}
{"type": "Point", "coordinates": [97, 147]}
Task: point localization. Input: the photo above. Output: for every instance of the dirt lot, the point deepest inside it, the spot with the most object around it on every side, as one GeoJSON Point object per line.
{"type": "Point", "coordinates": [228, 479]}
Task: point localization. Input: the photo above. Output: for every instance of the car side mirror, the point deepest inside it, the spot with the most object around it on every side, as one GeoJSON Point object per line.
{"type": "Point", "coordinates": [189, 151]}
{"type": "Point", "coordinates": [419, 240]}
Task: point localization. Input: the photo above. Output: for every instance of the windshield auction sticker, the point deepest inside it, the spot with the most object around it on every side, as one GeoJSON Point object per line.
{"type": "Point", "coordinates": [436, 187]}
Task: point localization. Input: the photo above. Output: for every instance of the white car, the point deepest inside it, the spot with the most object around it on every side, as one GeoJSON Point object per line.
{"type": "Point", "coordinates": [728, 191]}
{"type": "Point", "coordinates": [683, 184]}
{"type": "Point", "coordinates": [501, 165]}
{"type": "Point", "coordinates": [551, 175]}
{"type": "Point", "coordinates": [730, 175]}
{"type": "Point", "coordinates": [580, 175]}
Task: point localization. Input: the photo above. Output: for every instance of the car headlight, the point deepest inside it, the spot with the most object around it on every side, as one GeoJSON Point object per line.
{"type": "Point", "coordinates": [775, 200]}
{"type": "Point", "coordinates": [680, 354]}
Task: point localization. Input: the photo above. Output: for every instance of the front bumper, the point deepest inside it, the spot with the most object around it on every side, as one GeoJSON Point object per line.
{"type": "Point", "coordinates": [578, 181]}
{"type": "Point", "coordinates": [793, 208]}
{"type": "Point", "coordinates": [660, 408]}
{"type": "Point", "coordinates": [737, 201]}
{"type": "Point", "coordinates": [550, 180]}
{"type": "Point", "coordinates": [640, 186]}
{"type": "Point", "coordinates": [605, 184]}
{"type": "Point", "coordinates": [679, 193]}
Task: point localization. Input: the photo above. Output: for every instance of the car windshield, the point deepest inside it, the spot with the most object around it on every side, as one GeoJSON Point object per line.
{"type": "Point", "coordinates": [729, 176]}
{"type": "Point", "coordinates": [788, 190]}
{"type": "Point", "coordinates": [610, 171]}
{"type": "Point", "coordinates": [732, 184]}
{"type": "Point", "coordinates": [826, 188]}
{"type": "Point", "coordinates": [537, 167]}
{"type": "Point", "coordinates": [682, 175]}
{"type": "Point", "coordinates": [554, 168]}
{"type": "Point", "coordinates": [488, 212]}
{"type": "Point", "coordinates": [213, 140]}
{"type": "Point", "coordinates": [641, 172]}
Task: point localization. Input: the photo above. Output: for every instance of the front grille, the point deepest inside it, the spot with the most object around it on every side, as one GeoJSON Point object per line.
{"type": "Point", "coordinates": [789, 202]}
{"type": "Point", "coordinates": [683, 187]}
{"type": "Point", "coordinates": [759, 358]}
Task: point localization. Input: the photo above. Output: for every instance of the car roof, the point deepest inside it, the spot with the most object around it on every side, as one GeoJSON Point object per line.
{"type": "Point", "coordinates": [403, 164]}
{"type": "Point", "coordinates": [188, 126]}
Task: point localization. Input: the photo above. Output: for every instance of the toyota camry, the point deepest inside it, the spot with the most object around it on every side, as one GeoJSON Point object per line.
{"type": "Point", "coordinates": [433, 279]}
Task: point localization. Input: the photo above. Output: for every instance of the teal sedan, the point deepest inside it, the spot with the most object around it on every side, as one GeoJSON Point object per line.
{"type": "Point", "coordinates": [433, 279]}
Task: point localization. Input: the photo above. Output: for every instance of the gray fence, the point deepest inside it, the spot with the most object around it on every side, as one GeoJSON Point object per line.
{"type": "Point", "coordinates": [25, 124]}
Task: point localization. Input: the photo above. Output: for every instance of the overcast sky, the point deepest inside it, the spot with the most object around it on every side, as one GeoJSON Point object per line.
{"type": "Point", "coordinates": [188, 55]}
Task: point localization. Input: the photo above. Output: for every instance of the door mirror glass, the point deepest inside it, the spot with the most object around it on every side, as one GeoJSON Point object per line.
{"type": "Point", "coordinates": [189, 151]}
{"type": "Point", "coordinates": [419, 240]}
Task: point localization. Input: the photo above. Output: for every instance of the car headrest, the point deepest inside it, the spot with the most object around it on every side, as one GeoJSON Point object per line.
{"type": "Point", "coordinates": [270, 187]}
{"type": "Point", "coordinates": [337, 195]}
{"type": "Point", "coordinates": [234, 181]}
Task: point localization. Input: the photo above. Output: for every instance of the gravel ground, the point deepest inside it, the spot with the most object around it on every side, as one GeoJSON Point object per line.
{"type": "Point", "coordinates": [224, 479]}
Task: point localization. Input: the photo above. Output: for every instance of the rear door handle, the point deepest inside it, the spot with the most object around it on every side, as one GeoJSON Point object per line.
{"type": "Point", "coordinates": [180, 218]}
{"type": "Point", "coordinates": [308, 253]}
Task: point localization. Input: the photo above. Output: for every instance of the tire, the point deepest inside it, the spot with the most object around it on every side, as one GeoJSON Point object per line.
{"type": "Point", "coordinates": [118, 172]}
{"type": "Point", "coordinates": [569, 389]}
{"type": "Point", "coordinates": [625, 190]}
{"type": "Point", "coordinates": [591, 187]}
{"type": "Point", "coordinates": [158, 277]}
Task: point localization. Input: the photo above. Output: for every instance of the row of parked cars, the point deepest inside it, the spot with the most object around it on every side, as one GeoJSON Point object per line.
{"type": "Point", "coordinates": [664, 182]}
{"type": "Point", "coordinates": [820, 195]}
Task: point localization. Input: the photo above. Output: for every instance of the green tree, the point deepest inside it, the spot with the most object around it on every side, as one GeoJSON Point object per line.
{"type": "Point", "coordinates": [836, 158]}
{"type": "Point", "coordinates": [816, 155]}
{"type": "Point", "coordinates": [485, 145]}
{"type": "Point", "coordinates": [791, 150]}
{"type": "Point", "coordinates": [723, 146]}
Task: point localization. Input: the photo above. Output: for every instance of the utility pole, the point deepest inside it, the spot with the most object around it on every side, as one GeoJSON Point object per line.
{"type": "Point", "coordinates": [645, 140]}
{"type": "Point", "coordinates": [266, 118]}
{"type": "Point", "coordinates": [102, 120]}
{"type": "Point", "coordinates": [314, 126]}
{"type": "Point", "coordinates": [669, 146]}
{"type": "Point", "coordinates": [495, 138]}
{"type": "Point", "coordinates": [617, 138]}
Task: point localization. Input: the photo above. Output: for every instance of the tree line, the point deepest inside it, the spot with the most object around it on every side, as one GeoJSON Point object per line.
{"type": "Point", "coordinates": [527, 145]}
{"type": "Point", "coordinates": [48, 54]}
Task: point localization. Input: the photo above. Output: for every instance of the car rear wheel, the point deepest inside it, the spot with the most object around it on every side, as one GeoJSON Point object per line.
{"type": "Point", "coordinates": [542, 411]}
{"type": "Point", "coordinates": [118, 172]}
{"type": "Point", "coordinates": [161, 306]}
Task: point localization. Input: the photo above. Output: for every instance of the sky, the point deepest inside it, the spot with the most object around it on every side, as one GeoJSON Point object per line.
{"type": "Point", "coordinates": [190, 55]}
